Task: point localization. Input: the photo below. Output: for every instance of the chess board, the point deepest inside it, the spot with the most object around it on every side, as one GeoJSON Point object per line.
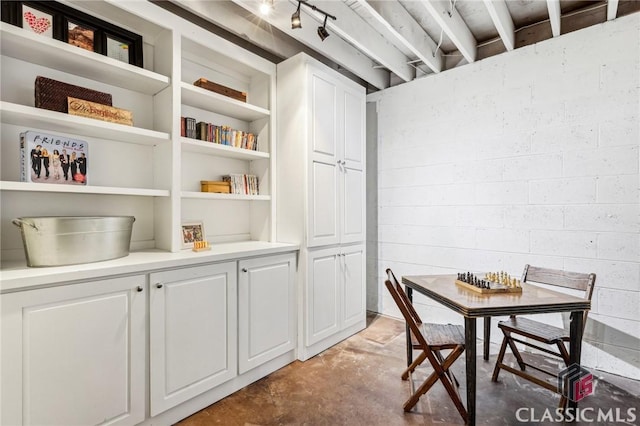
{"type": "Point", "coordinates": [495, 288]}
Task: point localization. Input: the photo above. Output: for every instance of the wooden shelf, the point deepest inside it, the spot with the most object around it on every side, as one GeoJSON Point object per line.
{"type": "Point", "coordinates": [210, 101]}
{"type": "Point", "coordinates": [81, 189]}
{"type": "Point", "coordinates": [210, 148]}
{"type": "Point", "coordinates": [31, 117]}
{"type": "Point", "coordinates": [48, 52]}
{"type": "Point", "coordinates": [216, 196]}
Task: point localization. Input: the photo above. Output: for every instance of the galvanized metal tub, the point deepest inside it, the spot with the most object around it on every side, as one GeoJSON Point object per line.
{"type": "Point", "coordinates": [70, 240]}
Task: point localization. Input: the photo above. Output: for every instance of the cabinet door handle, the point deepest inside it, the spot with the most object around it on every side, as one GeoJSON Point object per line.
{"type": "Point", "coordinates": [139, 289]}
{"type": "Point", "coordinates": [244, 270]}
{"type": "Point", "coordinates": [159, 285]}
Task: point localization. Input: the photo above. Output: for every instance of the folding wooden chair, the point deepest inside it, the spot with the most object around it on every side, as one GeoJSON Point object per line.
{"type": "Point", "coordinates": [430, 339]}
{"type": "Point", "coordinates": [541, 332]}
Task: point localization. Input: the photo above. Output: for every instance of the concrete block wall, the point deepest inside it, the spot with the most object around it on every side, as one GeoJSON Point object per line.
{"type": "Point", "coordinates": [526, 157]}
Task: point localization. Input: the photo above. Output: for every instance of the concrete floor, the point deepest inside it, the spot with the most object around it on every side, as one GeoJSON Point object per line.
{"type": "Point", "coordinates": [357, 382]}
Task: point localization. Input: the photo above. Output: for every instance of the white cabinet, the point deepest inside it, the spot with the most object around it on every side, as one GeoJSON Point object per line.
{"type": "Point", "coordinates": [321, 196]}
{"type": "Point", "coordinates": [266, 309]}
{"type": "Point", "coordinates": [75, 355]}
{"type": "Point", "coordinates": [192, 326]}
{"type": "Point", "coordinates": [336, 162]}
{"type": "Point", "coordinates": [335, 297]}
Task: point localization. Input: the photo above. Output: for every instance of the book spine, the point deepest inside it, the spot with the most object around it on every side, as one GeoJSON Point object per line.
{"type": "Point", "coordinates": [24, 166]}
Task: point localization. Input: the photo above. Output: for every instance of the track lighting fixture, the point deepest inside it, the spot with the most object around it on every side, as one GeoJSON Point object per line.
{"type": "Point", "coordinates": [296, 22]}
{"type": "Point", "coordinates": [322, 31]}
{"type": "Point", "coordinates": [295, 19]}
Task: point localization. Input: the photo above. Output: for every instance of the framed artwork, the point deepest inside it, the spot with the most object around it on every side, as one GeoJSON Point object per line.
{"type": "Point", "coordinates": [191, 232]}
{"type": "Point", "coordinates": [37, 21]}
{"type": "Point", "coordinates": [53, 19]}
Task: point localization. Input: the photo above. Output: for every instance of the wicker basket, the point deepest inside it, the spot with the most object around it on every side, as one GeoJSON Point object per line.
{"type": "Point", "coordinates": [52, 94]}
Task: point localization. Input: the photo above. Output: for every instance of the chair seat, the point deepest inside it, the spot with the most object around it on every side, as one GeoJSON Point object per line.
{"type": "Point", "coordinates": [534, 330]}
{"type": "Point", "coordinates": [442, 336]}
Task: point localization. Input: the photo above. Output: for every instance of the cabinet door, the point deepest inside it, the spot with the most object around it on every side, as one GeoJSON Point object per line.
{"type": "Point", "coordinates": [193, 320]}
{"type": "Point", "coordinates": [353, 135]}
{"type": "Point", "coordinates": [322, 295]}
{"type": "Point", "coordinates": [323, 204]}
{"type": "Point", "coordinates": [353, 201]}
{"type": "Point", "coordinates": [324, 161]}
{"type": "Point", "coordinates": [75, 355]}
{"type": "Point", "coordinates": [353, 287]}
{"type": "Point", "coordinates": [266, 309]}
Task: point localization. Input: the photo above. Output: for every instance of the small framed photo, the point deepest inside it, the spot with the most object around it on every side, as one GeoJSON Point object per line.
{"type": "Point", "coordinates": [118, 49]}
{"type": "Point", "coordinates": [192, 232]}
{"type": "Point", "coordinates": [81, 36]}
{"type": "Point", "coordinates": [37, 21]}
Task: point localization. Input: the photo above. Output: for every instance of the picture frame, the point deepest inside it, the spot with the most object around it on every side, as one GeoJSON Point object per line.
{"type": "Point", "coordinates": [190, 232]}
{"type": "Point", "coordinates": [75, 27]}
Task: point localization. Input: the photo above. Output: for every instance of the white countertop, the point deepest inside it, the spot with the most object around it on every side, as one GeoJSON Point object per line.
{"type": "Point", "coordinates": [16, 276]}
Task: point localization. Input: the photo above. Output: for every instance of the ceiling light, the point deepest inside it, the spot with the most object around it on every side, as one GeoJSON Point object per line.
{"type": "Point", "coordinates": [322, 31]}
{"type": "Point", "coordinates": [295, 19]}
{"type": "Point", "coordinates": [266, 6]}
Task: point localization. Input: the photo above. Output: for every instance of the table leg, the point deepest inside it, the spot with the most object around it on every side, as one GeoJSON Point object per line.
{"type": "Point", "coordinates": [487, 337]}
{"type": "Point", "coordinates": [470, 349]}
{"type": "Point", "coordinates": [575, 345]}
{"type": "Point", "coordinates": [409, 292]}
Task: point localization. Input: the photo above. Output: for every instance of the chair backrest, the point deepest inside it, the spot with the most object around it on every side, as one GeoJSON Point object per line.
{"type": "Point", "coordinates": [392, 278]}
{"type": "Point", "coordinates": [574, 280]}
{"type": "Point", "coordinates": [407, 310]}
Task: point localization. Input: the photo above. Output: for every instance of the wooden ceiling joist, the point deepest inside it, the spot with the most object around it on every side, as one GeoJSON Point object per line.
{"type": "Point", "coordinates": [554, 16]}
{"type": "Point", "coordinates": [454, 26]}
{"type": "Point", "coordinates": [503, 22]}
{"type": "Point", "coordinates": [406, 30]}
{"type": "Point", "coordinates": [612, 9]}
{"type": "Point", "coordinates": [356, 31]}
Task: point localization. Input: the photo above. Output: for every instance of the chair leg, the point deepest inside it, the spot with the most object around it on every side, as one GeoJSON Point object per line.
{"type": "Point", "coordinates": [515, 351]}
{"type": "Point", "coordinates": [496, 369]}
{"type": "Point", "coordinates": [438, 355]}
{"type": "Point", "coordinates": [416, 362]}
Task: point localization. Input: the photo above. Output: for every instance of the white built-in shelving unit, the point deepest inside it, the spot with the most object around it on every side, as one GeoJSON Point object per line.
{"type": "Point", "coordinates": [147, 170]}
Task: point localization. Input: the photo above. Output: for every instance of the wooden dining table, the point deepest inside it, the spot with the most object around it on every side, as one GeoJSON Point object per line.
{"type": "Point", "coordinates": [473, 305]}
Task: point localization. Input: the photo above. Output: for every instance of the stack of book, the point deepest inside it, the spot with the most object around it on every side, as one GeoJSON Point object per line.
{"type": "Point", "coordinates": [223, 135]}
{"type": "Point", "coordinates": [242, 184]}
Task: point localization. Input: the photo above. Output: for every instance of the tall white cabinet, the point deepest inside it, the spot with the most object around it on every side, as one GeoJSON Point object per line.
{"type": "Point", "coordinates": [320, 184]}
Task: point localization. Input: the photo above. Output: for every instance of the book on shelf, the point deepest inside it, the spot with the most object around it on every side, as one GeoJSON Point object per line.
{"type": "Point", "coordinates": [242, 184]}
{"type": "Point", "coordinates": [46, 158]}
{"type": "Point", "coordinates": [223, 135]}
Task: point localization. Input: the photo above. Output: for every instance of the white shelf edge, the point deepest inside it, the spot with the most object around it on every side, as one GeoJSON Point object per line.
{"type": "Point", "coordinates": [210, 148]}
{"type": "Point", "coordinates": [205, 99]}
{"type": "Point", "coordinates": [81, 189]}
{"type": "Point", "coordinates": [31, 47]}
{"type": "Point", "coordinates": [23, 115]}
{"type": "Point", "coordinates": [216, 196]}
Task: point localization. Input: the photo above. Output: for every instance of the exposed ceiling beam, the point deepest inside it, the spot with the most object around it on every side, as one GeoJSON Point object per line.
{"type": "Point", "coordinates": [453, 24]}
{"type": "Point", "coordinates": [612, 9]}
{"type": "Point", "coordinates": [335, 48]}
{"type": "Point", "coordinates": [554, 16]}
{"type": "Point", "coordinates": [351, 27]}
{"type": "Point", "coordinates": [503, 22]}
{"type": "Point", "coordinates": [406, 30]}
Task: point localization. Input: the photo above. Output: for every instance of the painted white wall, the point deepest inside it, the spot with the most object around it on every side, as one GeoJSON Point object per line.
{"type": "Point", "coordinates": [526, 157]}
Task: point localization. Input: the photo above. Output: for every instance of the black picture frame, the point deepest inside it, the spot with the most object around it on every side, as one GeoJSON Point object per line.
{"type": "Point", "coordinates": [64, 15]}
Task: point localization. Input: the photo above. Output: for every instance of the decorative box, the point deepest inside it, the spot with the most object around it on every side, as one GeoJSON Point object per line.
{"type": "Point", "coordinates": [52, 94]}
{"type": "Point", "coordinates": [98, 111]}
{"type": "Point", "coordinates": [215, 186]}
{"type": "Point", "coordinates": [218, 88]}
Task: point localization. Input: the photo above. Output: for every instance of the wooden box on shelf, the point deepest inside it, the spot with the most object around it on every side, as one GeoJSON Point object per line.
{"type": "Point", "coordinates": [52, 94]}
{"type": "Point", "coordinates": [215, 186]}
{"type": "Point", "coordinates": [223, 90]}
{"type": "Point", "coordinates": [98, 111]}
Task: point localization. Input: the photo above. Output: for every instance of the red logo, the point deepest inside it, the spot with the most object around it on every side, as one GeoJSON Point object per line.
{"type": "Point", "coordinates": [575, 382]}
